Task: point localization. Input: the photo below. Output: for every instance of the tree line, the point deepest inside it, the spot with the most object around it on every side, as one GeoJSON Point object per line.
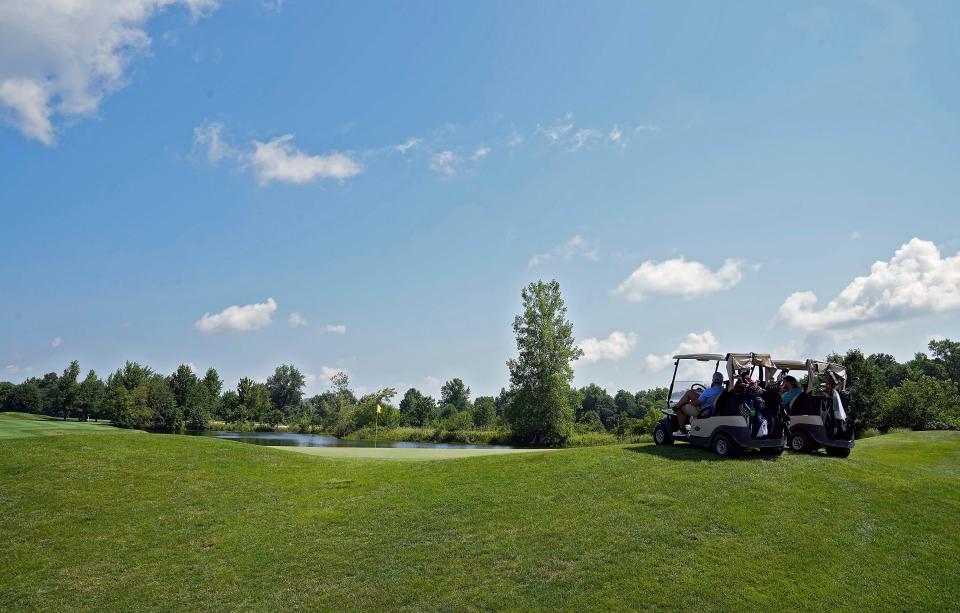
{"type": "Point", "coordinates": [540, 406]}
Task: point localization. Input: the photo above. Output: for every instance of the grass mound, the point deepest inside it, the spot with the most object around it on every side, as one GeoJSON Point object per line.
{"type": "Point", "coordinates": [121, 522]}
{"type": "Point", "coordinates": [23, 425]}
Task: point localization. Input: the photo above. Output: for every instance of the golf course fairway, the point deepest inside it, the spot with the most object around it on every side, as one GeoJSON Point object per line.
{"type": "Point", "coordinates": [100, 519]}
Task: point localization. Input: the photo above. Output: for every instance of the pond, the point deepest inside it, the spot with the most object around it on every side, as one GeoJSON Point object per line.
{"type": "Point", "coordinates": [292, 439]}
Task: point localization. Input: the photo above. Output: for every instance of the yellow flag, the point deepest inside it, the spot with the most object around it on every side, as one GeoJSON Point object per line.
{"type": "Point", "coordinates": [378, 407]}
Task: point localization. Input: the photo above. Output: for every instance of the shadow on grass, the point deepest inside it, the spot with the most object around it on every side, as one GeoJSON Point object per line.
{"type": "Point", "coordinates": [690, 453]}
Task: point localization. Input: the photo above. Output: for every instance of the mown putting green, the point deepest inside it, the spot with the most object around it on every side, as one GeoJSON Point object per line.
{"type": "Point", "coordinates": [116, 521]}
{"type": "Point", "coordinates": [402, 453]}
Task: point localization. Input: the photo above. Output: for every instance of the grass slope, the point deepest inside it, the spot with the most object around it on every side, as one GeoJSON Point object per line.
{"type": "Point", "coordinates": [119, 522]}
{"type": "Point", "coordinates": [402, 453]}
{"type": "Point", "coordinates": [21, 425]}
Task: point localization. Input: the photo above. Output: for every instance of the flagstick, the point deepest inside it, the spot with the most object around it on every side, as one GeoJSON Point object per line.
{"type": "Point", "coordinates": [376, 427]}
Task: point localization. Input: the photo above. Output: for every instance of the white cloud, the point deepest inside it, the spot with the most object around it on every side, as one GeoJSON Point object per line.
{"type": "Point", "coordinates": [327, 373]}
{"type": "Point", "coordinates": [480, 153]}
{"type": "Point", "coordinates": [615, 135]}
{"type": "Point", "coordinates": [558, 130]}
{"type": "Point", "coordinates": [280, 160]}
{"type": "Point", "coordinates": [239, 318]}
{"type": "Point", "coordinates": [576, 246]}
{"type": "Point", "coordinates": [334, 328]}
{"type": "Point", "coordinates": [56, 342]}
{"type": "Point", "coordinates": [615, 347]}
{"type": "Point", "coordinates": [444, 162]}
{"type": "Point", "coordinates": [408, 145]}
{"type": "Point", "coordinates": [515, 140]}
{"type": "Point", "coordinates": [679, 277]}
{"type": "Point", "coordinates": [916, 281]}
{"type": "Point", "coordinates": [208, 136]}
{"type": "Point", "coordinates": [296, 320]}
{"type": "Point", "coordinates": [583, 137]}
{"type": "Point", "coordinates": [59, 59]}
{"type": "Point", "coordinates": [646, 128]}
{"type": "Point", "coordinates": [694, 343]}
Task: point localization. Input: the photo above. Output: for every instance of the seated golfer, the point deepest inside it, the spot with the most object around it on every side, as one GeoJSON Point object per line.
{"type": "Point", "coordinates": [789, 389]}
{"type": "Point", "coordinates": [693, 402]}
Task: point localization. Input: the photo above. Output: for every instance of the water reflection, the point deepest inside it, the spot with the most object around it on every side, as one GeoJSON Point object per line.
{"type": "Point", "coordinates": [292, 439]}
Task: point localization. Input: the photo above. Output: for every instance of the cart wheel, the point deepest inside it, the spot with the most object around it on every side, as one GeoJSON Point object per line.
{"type": "Point", "coordinates": [724, 447]}
{"type": "Point", "coordinates": [839, 452]}
{"type": "Point", "coordinates": [661, 436]}
{"type": "Point", "coordinates": [799, 442]}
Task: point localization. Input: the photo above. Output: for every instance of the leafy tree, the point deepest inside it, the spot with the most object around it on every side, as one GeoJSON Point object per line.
{"type": "Point", "coordinates": [540, 376]}
{"type": "Point", "coordinates": [867, 382]}
{"type": "Point", "coordinates": [446, 411]}
{"type": "Point", "coordinates": [650, 401]}
{"type": "Point", "coordinates": [214, 385]}
{"type": "Point", "coordinates": [591, 422]}
{"type": "Point", "coordinates": [66, 390]}
{"type": "Point", "coordinates": [484, 412]}
{"type": "Point", "coordinates": [626, 404]}
{"type": "Point", "coordinates": [922, 366]}
{"type": "Point", "coordinates": [923, 404]}
{"type": "Point", "coordinates": [286, 388]}
{"type": "Point", "coordinates": [6, 391]}
{"type": "Point", "coordinates": [365, 413]}
{"type": "Point", "coordinates": [416, 409]}
{"type": "Point", "coordinates": [891, 371]}
{"type": "Point", "coordinates": [457, 421]}
{"type": "Point", "coordinates": [456, 393]}
{"type": "Point", "coordinates": [131, 376]}
{"type": "Point", "coordinates": [228, 409]}
{"type": "Point", "coordinates": [948, 352]}
{"type": "Point", "coordinates": [192, 396]}
{"type": "Point", "coordinates": [504, 398]}
{"type": "Point", "coordinates": [596, 399]}
{"type": "Point", "coordinates": [49, 402]}
{"type": "Point", "coordinates": [90, 397]}
{"type": "Point", "coordinates": [26, 397]}
{"type": "Point", "coordinates": [162, 405]}
{"type": "Point", "coordinates": [255, 403]}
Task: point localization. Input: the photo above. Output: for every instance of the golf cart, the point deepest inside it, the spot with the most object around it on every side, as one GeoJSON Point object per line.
{"type": "Point", "coordinates": [812, 424]}
{"type": "Point", "coordinates": [733, 424]}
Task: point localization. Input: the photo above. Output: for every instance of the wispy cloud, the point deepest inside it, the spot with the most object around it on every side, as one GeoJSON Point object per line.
{"type": "Point", "coordinates": [334, 329]}
{"type": "Point", "coordinates": [296, 320]}
{"type": "Point", "coordinates": [557, 130]}
{"type": "Point", "coordinates": [407, 145]}
{"type": "Point", "coordinates": [574, 247]}
{"type": "Point", "coordinates": [277, 160]}
{"type": "Point", "coordinates": [444, 162]}
{"type": "Point", "coordinates": [56, 342]}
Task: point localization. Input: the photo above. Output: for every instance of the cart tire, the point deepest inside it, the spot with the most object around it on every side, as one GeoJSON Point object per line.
{"type": "Point", "coordinates": [661, 436]}
{"type": "Point", "coordinates": [799, 441]}
{"type": "Point", "coordinates": [724, 447]}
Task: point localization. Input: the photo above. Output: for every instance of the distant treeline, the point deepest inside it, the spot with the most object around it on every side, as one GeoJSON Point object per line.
{"type": "Point", "coordinates": [539, 407]}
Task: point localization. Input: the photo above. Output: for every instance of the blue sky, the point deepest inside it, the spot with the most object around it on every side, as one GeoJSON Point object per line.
{"type": "Point", "coordinates": [394, 174]}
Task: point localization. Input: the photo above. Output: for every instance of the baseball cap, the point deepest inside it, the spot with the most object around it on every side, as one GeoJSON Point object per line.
{"type": "Point", "coordinates": [718, 377]}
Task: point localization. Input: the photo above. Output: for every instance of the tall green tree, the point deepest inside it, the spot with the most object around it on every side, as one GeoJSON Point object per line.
{"type": "Point", "coordinates": [484, 412]}
{"type": "Point", "coordinates": [923, 404]}
{"type": "Point", "coordinates": [286, 388]}
{"type": "Point", "coordinates": [456, 393]}
{"type": "Point", "coordinates": [948, 352]}
{"type": "Point", "coordinates": [90, 398]}
{"type": "Point", "coordinates": [417, 409]}
{"type": "Point", "coordinates": [67, 390]}
{"type": "Point", "coordinates": [214, 385]}
{"type": "Point", "coordinates": [540, 375]}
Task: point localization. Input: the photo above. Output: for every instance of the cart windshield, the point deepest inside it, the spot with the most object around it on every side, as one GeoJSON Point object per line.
{"type": "Point", "coordinates": [681, 387]}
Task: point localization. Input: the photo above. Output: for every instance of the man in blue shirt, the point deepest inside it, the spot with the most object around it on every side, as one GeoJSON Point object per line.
{"type": "Point", "coordinates": [695, 403]}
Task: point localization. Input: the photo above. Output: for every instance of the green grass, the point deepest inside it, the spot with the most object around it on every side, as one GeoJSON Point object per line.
{"type": "Point", "coordinates": [115, 521]}
{"type": "Point", "coordinates": [21, 425]}
{"type": "Point", "coordinates": [403, 453]}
